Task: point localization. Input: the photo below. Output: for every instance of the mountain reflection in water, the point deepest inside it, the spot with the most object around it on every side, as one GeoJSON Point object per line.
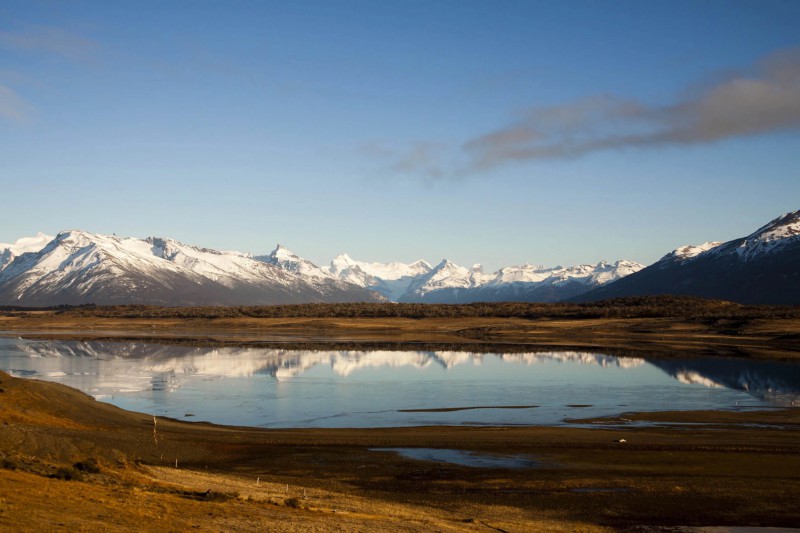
{"type": "Point", "coordinates": [344, 383]}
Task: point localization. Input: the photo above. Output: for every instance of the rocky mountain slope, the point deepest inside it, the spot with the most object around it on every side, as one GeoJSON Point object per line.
{"type": "Point", "coordinates": [78, 267]}
{"type": "Point", "coordinates": [761, 268]}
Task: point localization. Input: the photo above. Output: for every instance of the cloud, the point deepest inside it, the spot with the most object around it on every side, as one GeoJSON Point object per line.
{"type": "Point", "coordinates": [51, 40]}
{"type": "Point", "coordinates": [13, 107]}
{"type": "Point", "coordinates": [421, 158]}
{"type": "Point", "coordinates": [764, 99]}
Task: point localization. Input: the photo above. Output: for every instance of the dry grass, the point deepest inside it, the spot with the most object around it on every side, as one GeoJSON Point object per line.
{"type": "Point", "coordinates": [328, 480]}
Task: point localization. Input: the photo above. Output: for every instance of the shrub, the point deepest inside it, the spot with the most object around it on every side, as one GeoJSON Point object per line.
{"type": "Point", "coordinates": [66, 473]}
{"type": "Point", "coordinates": [294, 503]}
{"type": "Point", "coordinates": [88, 465]}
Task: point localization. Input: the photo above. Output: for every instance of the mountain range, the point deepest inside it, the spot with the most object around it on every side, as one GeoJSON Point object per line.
{"type": "Point", "coordinates": [77, 267]}
{"type": "Point", "coordinates": [761, 268]}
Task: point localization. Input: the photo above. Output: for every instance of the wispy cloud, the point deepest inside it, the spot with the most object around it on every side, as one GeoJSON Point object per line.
{"type": "Point", "coordinates": [420, 158]}
{"type": "Point", "coordinates": [51, 40]}
{"type": "Point", "coordinates": [13, 107]}
{"type": "Point", "coordinates": [41, 40]}
{"type": "Point", "coordinates": [764, 99]}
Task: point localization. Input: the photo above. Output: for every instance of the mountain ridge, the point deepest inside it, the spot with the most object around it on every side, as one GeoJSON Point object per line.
{"type": "Point", "coordinates": [77, 267]}
{"type": "Point", "coordinates": [760, 268]}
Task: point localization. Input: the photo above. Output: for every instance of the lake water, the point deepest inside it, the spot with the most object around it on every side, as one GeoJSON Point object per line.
{"type": "Point", "coordinates": [296, 388]}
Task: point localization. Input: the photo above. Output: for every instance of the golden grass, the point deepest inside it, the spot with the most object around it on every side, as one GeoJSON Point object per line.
{"type": "Point", "coordinates": [729, 473]}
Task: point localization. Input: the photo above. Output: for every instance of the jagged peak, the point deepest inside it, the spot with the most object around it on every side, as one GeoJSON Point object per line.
{"type": "Point", "coordinates": [282, 253]}
{"type": "Point", "coordinates": [444, 263]}
{"type": "Point", "coordinates": [785, 226]}
{"type": "Point", "coordinates": [344, 256]}
{"type": "Point", "coordinates": [689, 251]}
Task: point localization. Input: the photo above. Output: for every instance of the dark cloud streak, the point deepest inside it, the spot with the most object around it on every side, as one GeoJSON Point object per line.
{"type": "Point", "coordinates": [736, 106]}
{"type": "Point", "coordinates": [763, 100]}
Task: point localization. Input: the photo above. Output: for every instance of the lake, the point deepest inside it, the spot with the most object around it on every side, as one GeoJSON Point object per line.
{"type": "Point", "coordinates": [277, 388]}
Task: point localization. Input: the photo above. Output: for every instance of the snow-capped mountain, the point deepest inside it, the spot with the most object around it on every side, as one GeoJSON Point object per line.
{"type": "Point", "coordinates": [448, 282]}
{"type": "Point", "coordinates": [532, 283]}
{"type": "Point", "coordinates": [685, 253]}
{"type": "Point", "coordinates": [445, 283]}
{"type": "Point", "coordinates": [79, 267]}
{"type": "Point", "coordinates": [761, 268]}
{"type": "Point", "coordinates": [22, 246]}
{"type": "Point", "coordinates": [390, 279]}
{"type": "Point", "coordinates": [285, 259]}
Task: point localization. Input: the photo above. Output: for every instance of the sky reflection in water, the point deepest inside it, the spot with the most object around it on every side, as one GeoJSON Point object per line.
{"type": "Point", "coordinates": [295, 388]}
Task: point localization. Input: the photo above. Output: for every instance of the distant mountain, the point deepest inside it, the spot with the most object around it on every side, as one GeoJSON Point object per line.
{"type": "Point", "coordinates": [77, 267]}
{"type": "Point", "coordinates": [762, 268]}
{"type": "Point", "coordinates": [8, 252]}
{"type": "Point", "coordinates": [448, 282]}
{"type": "Point", "coordinates": [390, 279]}
{"type": "Point", "coordinates": [287, 260]}
{"type": "Point", "coordinates": [538, 284]}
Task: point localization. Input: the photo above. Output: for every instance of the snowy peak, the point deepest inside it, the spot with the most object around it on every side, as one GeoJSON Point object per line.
{"type": "Point", "coordinates": [687, 252]}
{"type": "Point", "coordinates": [770, 238]}
{"type": "Point", "coordinates": [448, 282]}
{"type": "Point", "coordinates": [281, 253]}
{"type": "Point", "coordinates": [419, 267]}
{"type": "Point", "coordinates": [25, 245]}
{"type": "Point", "coordinates": [287, 260]}
{"type": "Point", "coordinates": [80, 267]}
{"type": "Point", "coordinates": [386, 271]}
{"type": "Point", "coordinates": [445, 276]}
{"type": "Point", "coordinates": [341, 263]}
{"type": "Point", "coordinates": [589, 275]}
{"type": "Point", "coordinates": [761, 268]}
{"type": "Point", "coordinates": [784, 230]}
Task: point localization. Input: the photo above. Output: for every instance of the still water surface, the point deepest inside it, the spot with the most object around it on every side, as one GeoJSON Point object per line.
{"type": "Point", "coordinates": [297, 388]}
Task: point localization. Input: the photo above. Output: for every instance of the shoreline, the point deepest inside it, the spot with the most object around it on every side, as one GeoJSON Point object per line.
{"type": "Point", "coordinates": [760, 338]}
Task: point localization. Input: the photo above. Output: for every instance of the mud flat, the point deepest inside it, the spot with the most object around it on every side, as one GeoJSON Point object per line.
{"type": "Point", "coordinates": [71, 462]}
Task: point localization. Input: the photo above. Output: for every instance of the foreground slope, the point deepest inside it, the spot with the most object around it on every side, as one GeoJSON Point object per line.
{"type": "Point", "coordinates": [68, 461]}
{"type": "Point", "coordinates": [761, 268]}
{"type": "Point", "coordinates": [78, 267]}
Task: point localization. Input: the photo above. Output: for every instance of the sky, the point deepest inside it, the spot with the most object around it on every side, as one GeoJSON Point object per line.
{"type": "Point", "coordinates": [500, 133]}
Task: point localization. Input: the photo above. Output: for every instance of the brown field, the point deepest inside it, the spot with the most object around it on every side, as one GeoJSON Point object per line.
{"type": "Point", "coordinates": [68, 462]}
{"type": "Point", "coordinates": [661, 327]}
{"type": "Point", "coordinates": [124, 475]}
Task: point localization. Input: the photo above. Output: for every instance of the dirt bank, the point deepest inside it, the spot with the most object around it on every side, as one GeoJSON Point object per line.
{"type": "Point", "coordinates": [696, 469]}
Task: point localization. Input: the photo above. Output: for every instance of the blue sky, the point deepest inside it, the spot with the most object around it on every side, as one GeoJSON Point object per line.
{"type": "Point", "coordinates": [491, 132]}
